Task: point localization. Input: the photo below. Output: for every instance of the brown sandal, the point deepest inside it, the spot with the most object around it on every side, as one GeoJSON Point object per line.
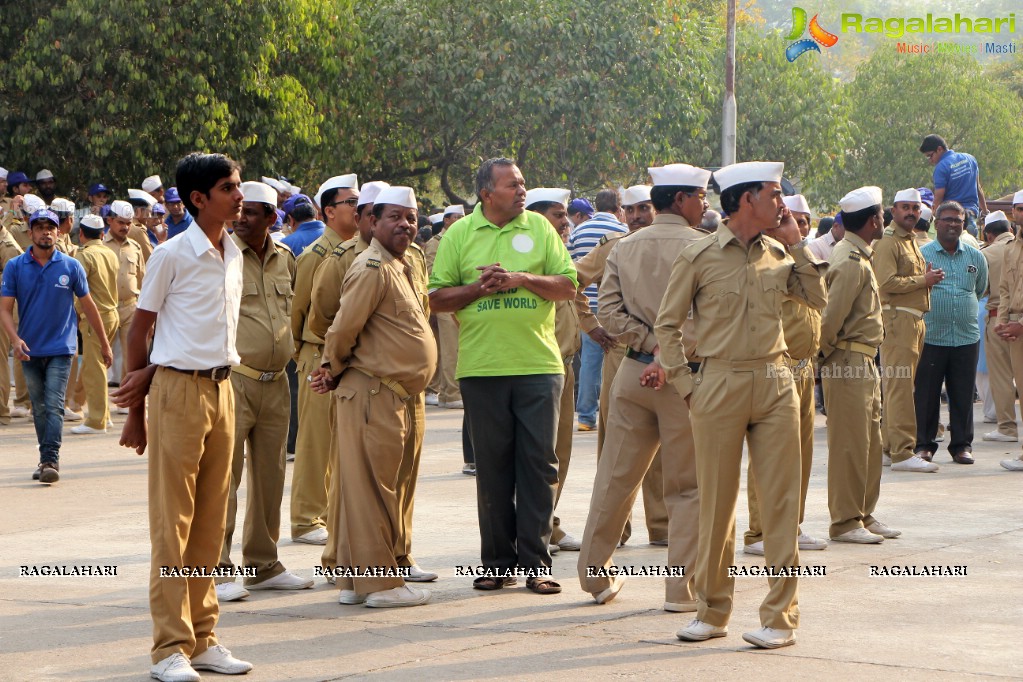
{"type": "Point", "coordinates": [543, 585]}
{"type": "Point", "coordinates": [490, 583]}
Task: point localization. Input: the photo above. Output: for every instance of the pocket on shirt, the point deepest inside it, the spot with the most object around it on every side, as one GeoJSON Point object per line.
{"type": "Point", "coordinates": [409, 311]}
{"type": "Point", "coordinates": [284, 291]}
{"type": "Point", "coordinates": [720, 299]}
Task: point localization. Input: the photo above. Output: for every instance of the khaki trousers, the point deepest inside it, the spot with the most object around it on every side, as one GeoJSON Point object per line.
{"type": "Point", "coordinates": [448, 388]}
{"type": "Point", "coordinates": [1016, 358]}
{"type": "Point", "coordinates": [74, 394]}
{"type": "Point", "coordinates": [641, 423]}
{"type": "Point", "coordinates": [653, 483]}
{"type": "Point", "coordinates": [125, 314]}
{"type": "Point", "coordinates": [852, 397]}
{"type": "Point", "coordinates": [755, 400]}
{"type": "Point", "coordinates": [93, 373]}
{"type": "Point", "coordinates": [21, 397]}
{"type": "Point", "coordinates": [310, 476]}
{"type": "Point", "coordinates": [803, 379]}
{"type": "Point", "coordinates": [5, 378]}
{"type": "Point", "coordinates": [563, 444]}
{"type": "Point", "coordinates": [191, 441]}
{"type": "Point", "coordinates": [999, 369]}
{"type": "Point", "coordinates": [262, 410]}
{"type": "Point", "coordinates": [372, 423]}
{"type": "Point", "coordinates": [408, 475]}
{"type": "Point", "coordinates": [900, 354]}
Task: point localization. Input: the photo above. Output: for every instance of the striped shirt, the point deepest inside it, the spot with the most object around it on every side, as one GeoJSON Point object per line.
{"type": "Point", "coordinates": [586, 236]}
{"type": "Point", "coordinates": [952, 320]}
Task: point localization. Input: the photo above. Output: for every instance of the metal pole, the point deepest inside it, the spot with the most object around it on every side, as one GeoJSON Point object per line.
{"type": "Point", "coordinates": [728, 114]}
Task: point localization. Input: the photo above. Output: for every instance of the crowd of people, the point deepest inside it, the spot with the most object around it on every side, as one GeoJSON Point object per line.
{"type": "Point", "coordinates": [256, 322]}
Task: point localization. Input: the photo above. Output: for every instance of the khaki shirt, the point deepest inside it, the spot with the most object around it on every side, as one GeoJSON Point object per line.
{"type": "Point", "coordinates": [138, 232]}
{"type": "Point", "coordinates": [18, 228]}
{"type": "Point", "coordinates": [735, 293]}
{"type": "Point", "coordinates": [131, 268]}
{"type": "Point", "coordinates": [305, 269]}
{"type": "Point", "coordinates": [853, 312]}
{"type": "Point", "coordinates": [430, 250]}
{"type": "Point", "coordinates": [101, 271]}
{"type": "Point", "coordinates": [381, 327]}
{"type": "Point", "coordinates": [8, 249]}
{"type": "Point", "coordinates": [921, 237]}
{"type": "Point", "coordinates": [899, 268]}
{"type": "Point", "coordinates": [566, 329]}
{"type": "Point", "coordinates": [995, 255]}
{"type": "Point", "coordinates": [635, 279]}
{"type": "Point", "coordinates": [66, 246]}
{"type": "Point", "coordinates": [264, 340]}
{"type": "Point", "coordinates": [1010, 286]}
{"type": "Point", "coordinates": [590, 270]}
{"type": "Point", "coordinates": [802, 327]}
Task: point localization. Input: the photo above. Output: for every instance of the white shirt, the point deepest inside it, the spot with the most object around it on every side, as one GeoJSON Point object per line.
{"type": "Point", "coordinates": [196, 296]}
{"type": "Point", "coordinates": [822, 246]}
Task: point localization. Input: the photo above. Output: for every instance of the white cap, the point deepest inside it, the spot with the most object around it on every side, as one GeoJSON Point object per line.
{"type": "Point", "coordinates": [31, 203]}
{"type": "Point", "coordinates": [680, 174]}
{"type": "Point", "coordinates": [1017, 198]}
{"type": "Point", "coordinates": [454, 209]}
{"type": "Point", "coordinates": [748, 171]}
{"type": "Point", "coordinates": [397, 196]}
{"type": "Point", "coordinates": [93, 222]}
{"type": "Point", "coordinates": [796, 203]}
{"type": "Point", "coordinates": [290, 188]}
{"type": "Point", "coordinates": [437, 218]}
{"type": "Point", "coordinates": [995, 217]}
{"type": "Point", "coordinates": [44, 174]}
{"type": "Point", "coordinates": [3, 173]}
{"type": "Point", "coordinates": [861, 198]}
{"type": "Point", "coordinates": [537, 194]}
{"type": "Point", "coordinates": [337, 182]}
{"type": "Point", "coordinates": [911, 195]}
{"type": "Point", "coordinates": [273, 183]}
{"type": "Point", "coordinates": [259, 192]}
{"type": "Point", "coordinates": [122, 209]}
{"type": "Point", "coordinates": [142, 196]}
{"type": "Point", "coordinates": [368, 193]}
{"type": "Point", "coordinates": [636, 194]}
{"type": "Point", "coordinates": [62, 206]}
{"type": "Point", "coordinates": [152, 183]}
{"type": "Point", "coordinates": [925, 212]}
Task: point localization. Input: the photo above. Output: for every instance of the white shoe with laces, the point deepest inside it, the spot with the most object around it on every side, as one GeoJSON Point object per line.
{"type": "Point", "coordinates": [770, 638]}
{"type": "Point", "coordinates": [878, 528]}
{"type": "Point", "coordinates": [174, 668]}
{"type": "Point", "coordinates": [284, 581]}
{"type": "Point", "coordinates": [230, 592]}
{"type": "Point", "coordinates": [917, 464]}
{"type": "Point", "coordinates": [754, 548]}
{"type": "Point", "coordinates": [219, 660]}
{"type": "Point", "coordinates": [698, 631]}
{"type": "Point", "coordinates": [810, 543]}
{"type": "Point", "coordinates": [1012, 464]}
{"type": "Point", "coordinates": [418, 575]}
{"type": "Point", "coordinates": [858, 536]}
{"type": "Point", "coordinates": [1000, 437]}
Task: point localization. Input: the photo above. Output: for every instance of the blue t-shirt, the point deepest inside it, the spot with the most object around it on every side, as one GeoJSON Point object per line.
{"type": "Point", "coordinates": [957, 174]}
{"type": "Point", "coordinates": [173, 228]}
{"type": "Point", "coordinates": [304, 235]}
{"type": "Point", "coordinates": [47, 323]}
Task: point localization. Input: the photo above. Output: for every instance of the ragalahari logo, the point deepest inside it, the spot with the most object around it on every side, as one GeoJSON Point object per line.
{"type": "Point", "coordinates": [817, 35]}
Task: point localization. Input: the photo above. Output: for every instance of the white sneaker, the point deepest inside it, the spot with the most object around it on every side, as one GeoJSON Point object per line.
{"type": "Point", "coordinates": [453, 405]}
{"type": "Point", "coordinates": [698, 631]}
{"type": "Point", "coordinates": [84, 429]}
{"type": "Point", "coordinates": [284, 581]}
{"type": "Point", "coordinates": [915, 463]}
{"type": "Point", "coordinates": [770, 638]}
{"type": "Point", "coordinates": [350, 598]}
{"type": "Point", "coordinates": [21, 412]}
{"type": "Point", "coordinates": [878, 528]}
{"type": "Point", "coordinates": [1012, 464]}
{"type": "Point", "coordinates": [174, 668]}
{"type": "Point", "coordinates": [569, 544]}
{"type": "Point", "coordinates": [398, 596]}
{"type": "Point", "coordinates": [610, 593]}
{"type": "Point", "coordinates": [886, 460]}
{"type": "Point", "coordinates": [219, 659]}
{"type": "Point", "coordinates": [432, 399]}
{"type": "Point", "coordinates": [553, 549]}
{"type": "Point", "coordinates": [290, 457]}
{"type": "Point", "coordinates": [230, 592]}
{"type": "Point", "coordinates": [1000, 437]}
{"type": "Point", "coordinates": [810, 543]}
{"type": "Point", "coordinates": [469, 469]}
{"type": "Point", "coordinates": [418, 575]}
{"type": "Point", "coordinates": [990, 420]}
{"type": "Point", "coordinates": [72, 416]}
{"type": "Point", "coordinates": [317, 536]}
{"type": "Point", "coordinates": [859, 536]}
{"type": "Point", "coordinates": [756, 549]}
{"type": "Point", "coordinates": [681, 606]}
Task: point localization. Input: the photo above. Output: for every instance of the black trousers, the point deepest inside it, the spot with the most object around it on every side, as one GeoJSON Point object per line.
{"type": "Point", "coordinates": [467, 454]}
{"type": "Point", "coordinates": [292, 373]}
{"type": "Point", "coordinates": [513, 422]}
{"type": "Point", "coordinates": [956, 367]}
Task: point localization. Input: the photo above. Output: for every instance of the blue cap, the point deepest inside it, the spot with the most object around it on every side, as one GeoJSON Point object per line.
{"type": "Point", "coordinates": [926, 195]}
{"type": "Point", "coordinates": [293, 201]}
{"type": "Point", "coordinates": [279, 223]}
{"type": "Point", "coordinates": [171, 195]}
{"type": "Point", "coordinates": [44, 214]}
{"type": "Point", "coordinates": [580, 206]}
{"type": "Point", "coordinates": [97, 188]}
{"type": "Point", "coordinates": [16, 178]}
{"type": "Point", "coordinates": [158, 209]}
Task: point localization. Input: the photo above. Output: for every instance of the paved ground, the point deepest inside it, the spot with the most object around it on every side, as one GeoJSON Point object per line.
{"type": "Point", "coordinates": [853, 626]}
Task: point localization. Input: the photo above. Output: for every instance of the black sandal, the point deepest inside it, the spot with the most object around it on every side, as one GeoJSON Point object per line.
{"type": "Point", "coordinates": [490, 583]}
{"type": "Point", "coordinates": [543, 586]}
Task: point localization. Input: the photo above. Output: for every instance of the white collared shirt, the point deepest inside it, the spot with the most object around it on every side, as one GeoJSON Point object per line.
{"type": "Point", "coordinates": [822, 246]}
{"type": "Point", "coordinates": [196, 296]}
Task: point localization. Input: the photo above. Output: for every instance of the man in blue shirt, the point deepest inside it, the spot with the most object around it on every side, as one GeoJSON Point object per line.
{"type": "Point", "coordinates": [956, 178]}
{"type": "Point", "coordinates": [951, 342]}
{"type": "Point", "coordinates": [44, 282]}
{"type": "Point", "coordinates": [178, 219]}
{"type": "Point", "coordinates": [302, 215]}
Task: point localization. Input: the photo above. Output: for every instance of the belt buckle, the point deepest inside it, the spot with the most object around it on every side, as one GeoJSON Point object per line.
{"type": "Point", "coordinates": [268, 376]}
{"type": "Point", "coordinates": [802, 363]}
{"type": "Point", "coordinates": [220, 373]}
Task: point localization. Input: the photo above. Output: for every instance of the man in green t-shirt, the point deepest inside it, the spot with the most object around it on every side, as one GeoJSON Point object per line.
{"type": "Point", "coordinates": [500, 270]}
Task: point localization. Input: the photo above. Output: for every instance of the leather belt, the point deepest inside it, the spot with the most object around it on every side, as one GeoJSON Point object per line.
{"type": "Point", "coordinates": [911, 311]}
{"type": "Point", "coordinates": [869, 351]}
{"type": "Point", "coordinates": [393, 385]}
{"type": "Point", "coordinates": [258, 375]}
{"type": "Point", "coordinates": [645, 358]}
{"type": "Point", "coordinates": [216, 374]}
{"type": "Point", "coordinates": [992, 313]}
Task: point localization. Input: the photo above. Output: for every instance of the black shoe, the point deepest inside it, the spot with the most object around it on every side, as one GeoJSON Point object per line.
{"type": "Point", "coordinates": [48, 473]}
{"type": "Point", "coordinates": [35, 474]}
{"type": "Point", "coordinates": [963, 457]}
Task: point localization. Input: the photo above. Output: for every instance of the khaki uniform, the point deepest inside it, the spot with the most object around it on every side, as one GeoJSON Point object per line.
{"type": "Point", "coordinates": [381, 347]}
{"type": "Point", "coordinates": [899, 268]}
{"type": "Point", "coordinates": [566, 330]}
{"type": "Point", "coordinates": [1010, 302]}
{"type": "Point", "coordinates": [444, 383]}
{"type": "Point", "coordinates": [590, 270]}
{"type": "Point", "coordinates": [131, 270]}
{"type": "Point", "coordinates": [996, 349]}
{"type": "Point", "coordinates": [18, 229]}
{"type": "Point", "coordinates": [743, 390]}
{"type": "Point", "coordinates": [140, 234]}
{"type": "Point", "coordinates": [310, 476]}
{"type": "Point", "coordinates": [640, 419]}
{"type": "Point", "coordinates": [921, 238]}
{"type": "Point", "coordinates": [9, 250]}
{"type": "Point", "coordinates": [101, 270]}
{"type": "Point", "coordinates": [262, 406]}
{"type": "Point", "coordinates": [802, 326]}
{"type": "Point", "coordinates": [851, 330]}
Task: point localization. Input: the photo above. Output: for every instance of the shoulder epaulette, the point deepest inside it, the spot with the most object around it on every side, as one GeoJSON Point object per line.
{"type": "Point", "coordinates": [611, 236]}
{"type": "Point", "coordinates": [373, 263]}
{"type": "Point", "coordinates": [281, 246]}
{"type": "Point", "coordinates": [416, 247]}
{"type": "Point", "coordinates": [694, 249]}
{"type": "Point", "coordinates": [319, 250]}
{"type": "Point", "coordinates": [855, 255]}
{"type": "Point", "coordinates": [340, 249]}
{"type": "Point", "coordinates": [889, 231]}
